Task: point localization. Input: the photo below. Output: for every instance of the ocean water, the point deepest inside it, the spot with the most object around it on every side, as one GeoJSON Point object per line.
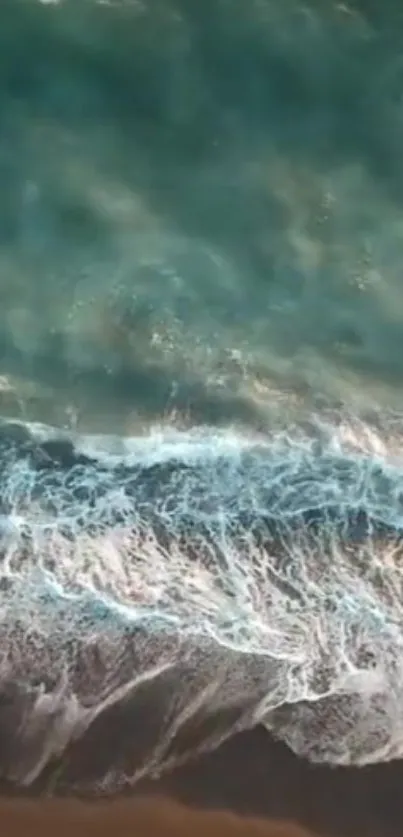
{"type": "Point", "coordinates": [201, 341]}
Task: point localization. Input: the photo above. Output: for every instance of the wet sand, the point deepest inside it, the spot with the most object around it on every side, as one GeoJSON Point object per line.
{"type": "Point", "coordinates": [250, 786]}
{"type": "Point", "coordinates": [162, 818]}
{"type": "Point", "coordinates": [253, 775]}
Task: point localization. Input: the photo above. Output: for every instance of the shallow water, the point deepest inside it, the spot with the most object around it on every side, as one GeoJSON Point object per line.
{"type": "Point", "coordinates": [200, 251]}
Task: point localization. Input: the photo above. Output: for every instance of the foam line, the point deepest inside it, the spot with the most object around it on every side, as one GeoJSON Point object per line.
{"type": "Point", "coordinates": [262, 574]}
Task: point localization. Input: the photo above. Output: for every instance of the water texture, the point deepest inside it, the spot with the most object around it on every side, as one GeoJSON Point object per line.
{"type": "Point", "coordinates": [201, 333]}
{"type": "Point", "coordinates": [261, 576]}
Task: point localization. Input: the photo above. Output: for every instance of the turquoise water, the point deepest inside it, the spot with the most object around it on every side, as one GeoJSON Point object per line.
{"type": "Point", "coordinates": [201, 209]}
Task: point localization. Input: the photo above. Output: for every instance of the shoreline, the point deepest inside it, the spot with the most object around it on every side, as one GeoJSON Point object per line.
{"type": "Point", "coordinates": [143, 817]}
{"type": "Point", "coordinates": [250, 776]}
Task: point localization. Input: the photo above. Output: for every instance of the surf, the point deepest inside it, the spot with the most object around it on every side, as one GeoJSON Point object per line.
{"type": "Point", "coordinates": [200, 583]}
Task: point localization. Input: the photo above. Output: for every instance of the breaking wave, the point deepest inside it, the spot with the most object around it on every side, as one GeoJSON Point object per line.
{"type": "Point", "coordinates": [196, 584]}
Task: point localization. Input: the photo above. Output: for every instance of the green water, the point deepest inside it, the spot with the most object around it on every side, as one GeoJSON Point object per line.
{"type": "Point", "coordinates": [200, 209]}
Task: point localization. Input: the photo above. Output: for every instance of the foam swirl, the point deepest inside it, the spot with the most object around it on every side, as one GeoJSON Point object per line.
{"type": "Point", "coordinates": [208, 574]}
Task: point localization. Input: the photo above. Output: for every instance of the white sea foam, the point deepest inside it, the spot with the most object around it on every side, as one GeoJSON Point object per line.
{"type": "Point", "coordinates": [263, 574]}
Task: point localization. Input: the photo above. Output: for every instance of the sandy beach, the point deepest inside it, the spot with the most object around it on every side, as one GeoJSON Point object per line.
{"type": "Point", "coordinates": [161, 818]}
{"type": "Point", "coordinates": [246, 788]}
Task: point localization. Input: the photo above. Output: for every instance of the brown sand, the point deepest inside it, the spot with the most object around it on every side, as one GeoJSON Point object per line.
{"type": "Point", "coordinates": [249, 787]}
{"type": "Point", "coordinates": [151, 818]}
